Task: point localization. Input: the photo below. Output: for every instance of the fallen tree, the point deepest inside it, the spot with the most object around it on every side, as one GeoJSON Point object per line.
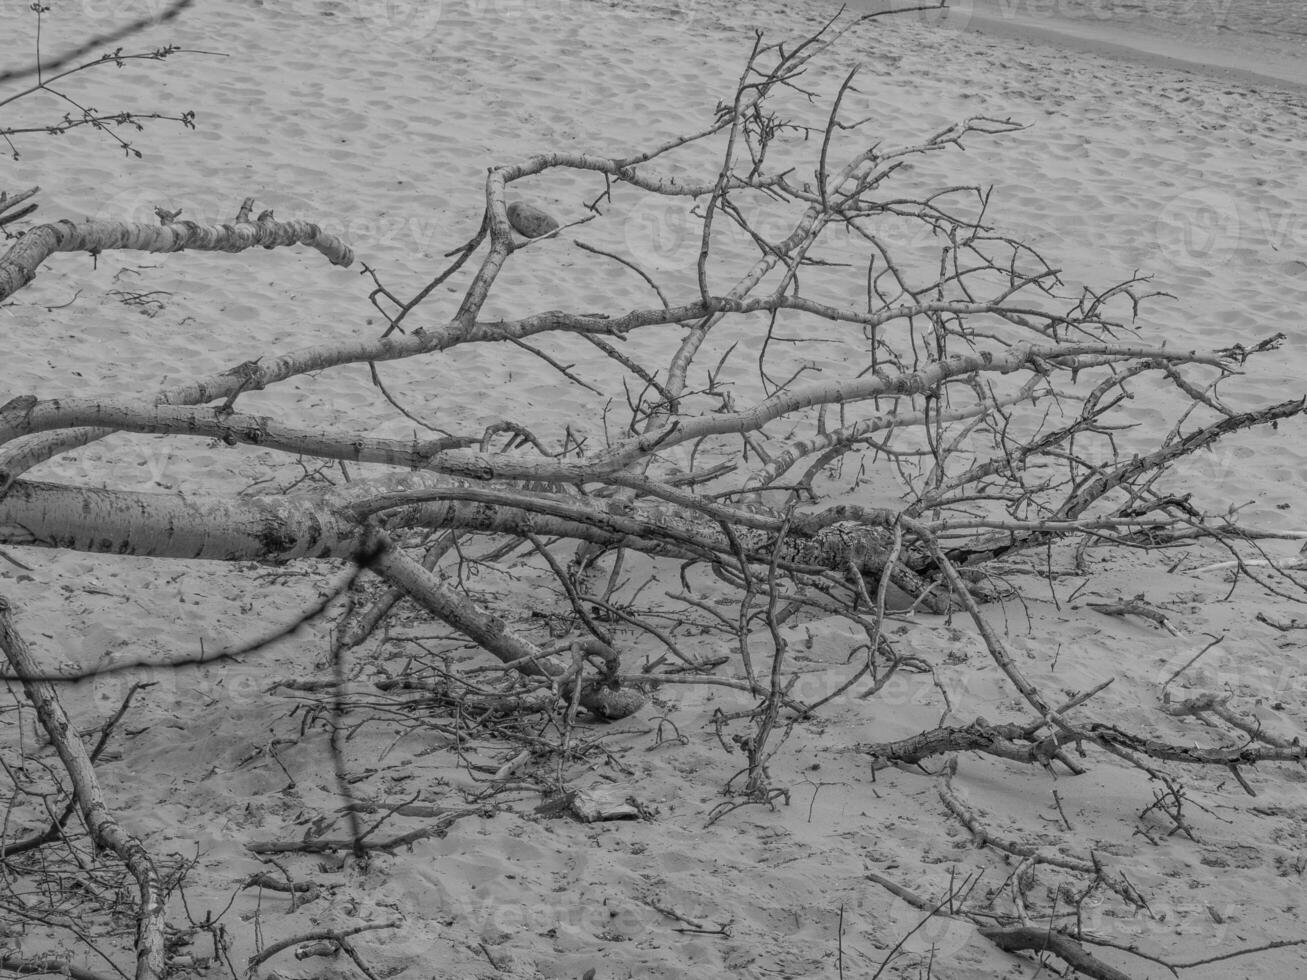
{"type": "Point", "coordinates": [976, 400]}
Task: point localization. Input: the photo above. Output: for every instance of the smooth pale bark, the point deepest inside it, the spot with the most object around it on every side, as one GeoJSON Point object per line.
{"type": "Point", "coordinates": [280, 528]}
{"type": "Point", "coordinates": [18, 456]}
{"type": "Point", "coordinates": [173, 526]}
{"type": "Point", "coordinates": [274, 528]}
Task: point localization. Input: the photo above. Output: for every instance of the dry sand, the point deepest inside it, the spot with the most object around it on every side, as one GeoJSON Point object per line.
{"type": "Point", "coordinates": [1260, 42]}
{"type": "Point", "coordinates": [379, 120]}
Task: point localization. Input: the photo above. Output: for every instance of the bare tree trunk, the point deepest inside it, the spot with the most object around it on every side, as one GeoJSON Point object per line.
{"type": "Point", "coordinates": [164, 525]}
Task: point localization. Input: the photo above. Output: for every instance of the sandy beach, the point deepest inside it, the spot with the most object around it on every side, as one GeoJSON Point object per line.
{"type": "Point", "coordinates": [1141, 155]}
{"type": "Point", "coordinates": [1261, 43]}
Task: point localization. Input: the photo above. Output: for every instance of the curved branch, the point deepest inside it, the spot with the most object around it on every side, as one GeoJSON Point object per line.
{"type": "Point", "coordinates": [100, 823]}
{"type": "Point", "coordinates": [18, 265]}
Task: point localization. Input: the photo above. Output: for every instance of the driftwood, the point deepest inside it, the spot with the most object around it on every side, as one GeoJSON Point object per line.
{"type": "Point", "coordinates": [747, 482]}
{"type": "Point", "coordinates": [1015, 939]}
{"type": "Point", "coordinates": [100, 823]}
{"type": "Point", "coordinates": [18, 266]}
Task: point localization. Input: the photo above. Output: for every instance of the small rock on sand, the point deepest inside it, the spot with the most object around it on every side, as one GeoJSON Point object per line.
{"type": "Point", "coordinates": [530, 222]}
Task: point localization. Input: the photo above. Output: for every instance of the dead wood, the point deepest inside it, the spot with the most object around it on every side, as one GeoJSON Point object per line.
{"type": "Point", "coordinates": [100, 822]}
{"type": "Point", "coordinates": [970, 416]}
{"type": "Point", "coordinates": [1015, 939]}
